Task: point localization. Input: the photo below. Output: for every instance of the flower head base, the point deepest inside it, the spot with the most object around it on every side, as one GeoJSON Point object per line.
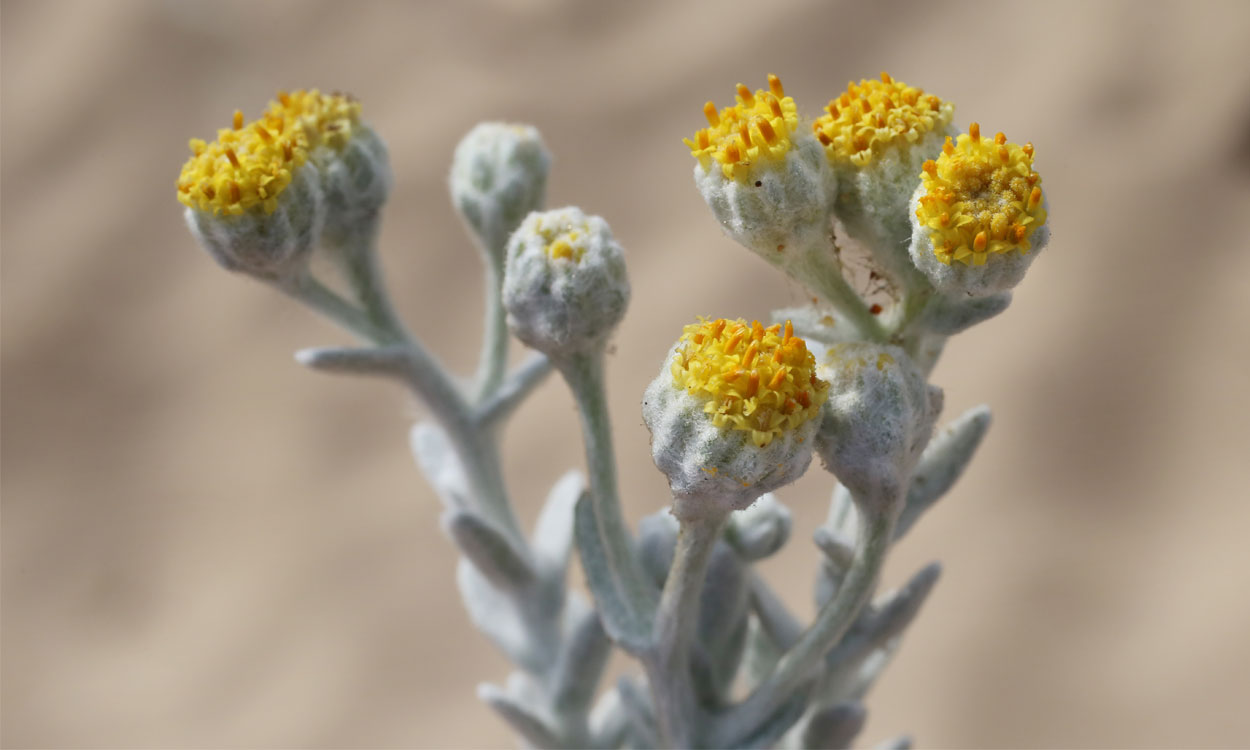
{"type": "Point", "coordinates": [981, 198]}
{"type": "Point", "coordinates": [871, 116]}
{"type": "Point", "coordinates": [249, 165]}
{"type": "Point", "coordinates": [878, 419]}
{"type": "Point", "coordinates": [751, 378]}
{"type": "Point", "coordinates": [756, 129]}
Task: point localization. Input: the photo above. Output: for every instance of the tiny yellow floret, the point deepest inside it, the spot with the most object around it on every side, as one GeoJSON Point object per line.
{"type": "Point", "coordinates": [249, 165]}
{"type": "Point", "coordinates": [565, 240]}
{"type": "Point", "coordinates": [756, 129]}
{"type": "Point", "coordinates": [750, 378]}
{"type": "Point", "coordinates": [873, 115]}
{"type": "Point", "coordinates": [981, 197]}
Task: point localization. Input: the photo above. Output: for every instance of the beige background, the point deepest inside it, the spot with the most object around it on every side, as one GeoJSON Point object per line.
{"type": "Point", "coordinates": [205, 546]}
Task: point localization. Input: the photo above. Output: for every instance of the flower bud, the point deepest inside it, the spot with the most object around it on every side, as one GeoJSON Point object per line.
{"type": "Point", "coordinates": [877, 421]}
{"type": "Point", "coordinates": [498, 176]}
{"type": "Point", "coordinates": [565, 286]}
{"type": "Point", "coordinates": [876, 135]}
{"type": "Point", "coordinates": [765, 179]}
{"type": "Point", "coordinates": [253, 199]}
{"type": "Point", "coordinates": [732, 414]}
{"type": "Point", "coordinates": [353, 162]}
{"type": "Point", "coordinates": [979, 215]}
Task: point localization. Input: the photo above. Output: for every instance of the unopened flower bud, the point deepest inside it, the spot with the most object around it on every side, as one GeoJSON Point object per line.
{"type": "Point", "coordinates": [979, 215]}
{"type": "Point", "coordinates": [764, 177]}
{"type": "Point", "coordinates": [876, 135]}
{"type": "Point", "coordinates": [877, 421]}
{"type": "Point", "coordinates": [732, 414]}
{"type": "Point", "coordinates": [498, 176]}
{"type": "Point", "coordinates": [565, 286]}
{"type": "Point", "coordinates": [253, 199]}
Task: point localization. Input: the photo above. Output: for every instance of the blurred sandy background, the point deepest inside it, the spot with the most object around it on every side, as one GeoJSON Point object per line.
{"type": "Point", "coordinates": [204, 546]}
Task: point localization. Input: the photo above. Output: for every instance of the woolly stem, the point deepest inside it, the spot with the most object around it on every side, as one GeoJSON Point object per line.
{"type": "Point", "coordinates": [584, 373]}
{"type": "Point", "coordinates": [668, 661]}
{"type": "Point", "coordinates": [799, 662]}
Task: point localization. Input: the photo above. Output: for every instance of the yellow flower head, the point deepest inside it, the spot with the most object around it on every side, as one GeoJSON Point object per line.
{"type": "Point", "coordinates": [981, 197]}
{"type": "Point", "coordinates": [873, 115]}
{"type": "Point", "coordinates": [325, 119]}
{"type": "Point", "coordinates": [751, 378]}
{"type": "Point", "coordinates": [248, 165]}
{"type": "Point", "coordinates": [756, 129]}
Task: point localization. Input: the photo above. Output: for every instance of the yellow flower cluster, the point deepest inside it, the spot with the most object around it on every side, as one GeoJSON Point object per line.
{"type": "Point", "coordinates": [562, 240]}
{"type": "Point", "coordinates": [981, 197]}
{"type": "Point", "coordinates": [871, 115]}
{"type": "Point", "coordinates": [757, 128]}
{"type": "Point", "coordinates": [751, 378]}
{"type": "Point", "coordinates": [251, 164]}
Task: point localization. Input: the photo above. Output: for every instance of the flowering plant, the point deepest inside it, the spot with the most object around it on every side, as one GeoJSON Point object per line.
{"type": "Point", "coordinates": [947, 223]}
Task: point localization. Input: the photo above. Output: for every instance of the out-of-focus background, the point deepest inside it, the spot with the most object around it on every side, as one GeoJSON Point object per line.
{"type": "Point", "coordinates": [204, 546]}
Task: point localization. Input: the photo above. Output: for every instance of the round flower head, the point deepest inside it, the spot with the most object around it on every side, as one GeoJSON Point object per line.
{"type": "Point", "coordinates": [498, 176]}
{"type": "Point", "coordinates": [876, 136]}
{"type": "Point", "coordinates": [732, 414]}
{"type": "Point", "coordinates": [352, 159]}
{"type": "Point", "coordinates": [878, 419]}
{"type": "Point", "coordinates": [253, 199]}
{"type": "Point", "coordinates": [980, 215]}
{"type": "Point", "coordinates": [565, 287]}
{"type": "Point", "coordinates": [763, 176]}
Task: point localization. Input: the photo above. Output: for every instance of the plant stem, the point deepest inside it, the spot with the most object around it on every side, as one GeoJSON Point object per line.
{"type": "Point", "coordinates": [668, 662]}
{"type": "Point", "coordinates": [357, 255]}
{"type": "Point", "coordinates": [494, 357]}
{"type": "Point", "coordinates": [797, 664]}
{"type": "Point", "coordinates": [329, 303]}
{"type": "Point", "coordinates": [824, 274]}
{"type": "Point", "coordinates": [584, 373]}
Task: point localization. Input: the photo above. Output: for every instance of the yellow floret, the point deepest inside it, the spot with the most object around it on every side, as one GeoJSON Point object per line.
{"type": "Point", "coordinates": [563, 240]}
{"type": "Point", "coordinates": [326, 119]}
{"type": "Point", "coordinates": [751, 378]}
{"type": "Point", "coordinates": [981, 197]}
{"type": "Point", "coordinates": [248, 165]}
{"type": "Point", "coordinates": [873, 115]}
{"type": "Point", "coordinates": [756, 129]}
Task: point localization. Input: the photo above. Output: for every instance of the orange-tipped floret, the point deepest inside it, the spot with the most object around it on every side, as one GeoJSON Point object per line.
{"type": "Point", "coordinates": [758, 128]}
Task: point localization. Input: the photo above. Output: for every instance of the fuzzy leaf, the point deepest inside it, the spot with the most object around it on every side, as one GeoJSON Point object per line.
{"type": "Point", "coordinates": [527, 723]}
{"type": "Point", "coordinates": [760, 530]}
{"type": "Point", "coordinates": [553, 533]}
{"type": "Point", "coordinates": [942, 463]}
{"type": "Point", "coordinates": [622, 618]}
{"type": "Point", "coordinates": [834, 728]}
{"type": "Point", "coordinates": [488, 549]}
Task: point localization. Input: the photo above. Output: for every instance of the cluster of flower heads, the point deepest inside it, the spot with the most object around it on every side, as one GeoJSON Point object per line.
{"type": "Point", "coordinates": [977, 198]}
{"type": "Point", "coordinates": [980, 197]}
{"type": "Point", "coordinates": [750, 378]}
{"type": "Point", "coordinates": [250, 164]}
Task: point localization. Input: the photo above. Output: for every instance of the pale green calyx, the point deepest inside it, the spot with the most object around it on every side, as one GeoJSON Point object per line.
{"type": "Point", "coordinates": [565, 286]}
{"type": "Point", "coordinates": [498, 176]}
{"type": "Point", "coordinates": [271, 245]}
{"type": "Point", "coordinates": [878, 419]}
